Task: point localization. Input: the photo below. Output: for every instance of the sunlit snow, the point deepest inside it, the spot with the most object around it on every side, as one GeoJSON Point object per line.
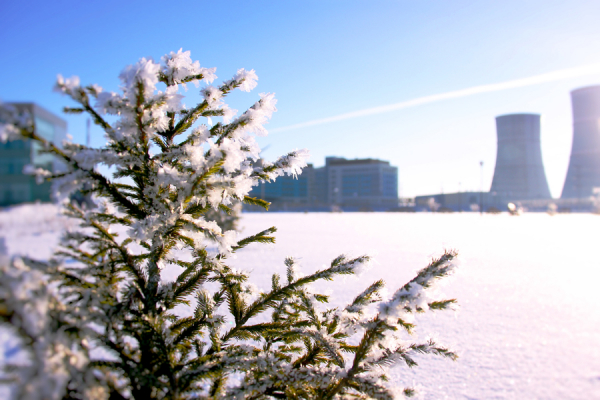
{"type": "Point", "coordinates": [529, 320]}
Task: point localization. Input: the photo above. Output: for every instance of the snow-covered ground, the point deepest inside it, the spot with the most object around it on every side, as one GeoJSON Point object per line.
{"type": "Point", "coordinates": [528, 287]}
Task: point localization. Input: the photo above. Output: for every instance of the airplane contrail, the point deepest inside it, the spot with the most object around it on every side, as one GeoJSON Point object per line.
{"type": "Point", "coordinates": [493, 87]}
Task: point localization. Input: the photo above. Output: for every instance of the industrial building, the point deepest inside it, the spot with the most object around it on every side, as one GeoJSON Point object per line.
{"type": "Point", "coordinates": [16, 187]}
{"type": "Point", "coordinates": [583, 174]}
{"type": "Point", "coordinates": [459, 201]}
{"type": "Point", "coordinates": [348, 185]}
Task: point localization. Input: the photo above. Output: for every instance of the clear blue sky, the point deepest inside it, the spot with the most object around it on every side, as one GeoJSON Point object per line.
{"type": "Point", "coordinates": [326, 58]}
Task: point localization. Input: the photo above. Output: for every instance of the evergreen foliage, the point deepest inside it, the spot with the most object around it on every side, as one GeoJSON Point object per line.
{"type": "Point", "coordinates": [99, 322]}
{"type": "Point", "coordinates": [227, 219]}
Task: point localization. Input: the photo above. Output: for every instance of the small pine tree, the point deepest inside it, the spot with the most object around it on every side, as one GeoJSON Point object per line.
{"type": "Point", "coordinates": [105, 325]}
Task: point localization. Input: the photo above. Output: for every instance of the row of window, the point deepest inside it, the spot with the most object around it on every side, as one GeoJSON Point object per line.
{"type": "Point", "coordinates": [360, 185]}
{"type": "Point", "coordinates": [390, 185]}
{"type": "Point", "coordinates": [12, 166]}
{"type": "Point", "coordinates": [356, 170]}
{"type": "Point", "coordinates": [11, 194]}
{"type": "Point", "coordinates": [283, 186]}
{"type": "Point", "coordinates": [14, 145]}
{"type": "Point", "coordinates": [15, 155]}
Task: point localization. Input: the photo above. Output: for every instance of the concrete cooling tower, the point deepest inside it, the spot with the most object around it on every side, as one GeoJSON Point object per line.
{"type": "Point", "coordinates": [519, 172]}
{"type": "Point", "coordinates": [583, 174]}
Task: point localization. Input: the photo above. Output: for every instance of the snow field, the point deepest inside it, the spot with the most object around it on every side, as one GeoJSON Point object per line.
{"type": "Point", "coordinates": [528, 326]}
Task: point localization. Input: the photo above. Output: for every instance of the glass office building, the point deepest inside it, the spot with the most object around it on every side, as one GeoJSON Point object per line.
{"type": "Point", "coordinates": [361, 184]}
{"type": "Point", "coordinates": [16, 187]}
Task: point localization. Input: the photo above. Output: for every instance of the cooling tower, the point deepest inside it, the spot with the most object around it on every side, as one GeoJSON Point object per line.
{"type": "Point", "coordinates": [583, 174]}
{"type": "Point", "coordinates": [519, 172]}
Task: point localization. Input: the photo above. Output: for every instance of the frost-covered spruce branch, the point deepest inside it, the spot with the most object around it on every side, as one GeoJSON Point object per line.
{"type": "Point", "coordinates": [320, 339]}
{"type": "Point", "coordinates": [112, 327]}
{"type": "Point", "coordinates": [56, 345]}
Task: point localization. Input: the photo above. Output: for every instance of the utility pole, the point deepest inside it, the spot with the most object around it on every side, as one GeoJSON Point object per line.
{"type": "Point", "coordinates": [459, 197]}
{"type": "Point", "coordinates": [87, 137]}
{"type": "Point", "coordinates": [481, 189]}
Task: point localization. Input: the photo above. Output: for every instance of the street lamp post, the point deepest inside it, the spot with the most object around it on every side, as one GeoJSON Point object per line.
{"type": "Point", "coordinates": [481, 189]}
{"type": "Point", "coordinates": [459, 197]}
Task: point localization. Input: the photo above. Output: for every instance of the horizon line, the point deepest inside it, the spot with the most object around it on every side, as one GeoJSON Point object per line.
{"type": "Point", "coordinates": [486, 88]}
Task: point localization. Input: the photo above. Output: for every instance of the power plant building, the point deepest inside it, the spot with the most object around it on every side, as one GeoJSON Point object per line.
{"type": "Point", "coordinates": [519, 172]}
{"type": "Point", "coordinates": [518, 175]}
{"type": "Point", "coordinates": [16, 187]}
{"type": "Point", "coordinates": [583, 174]}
